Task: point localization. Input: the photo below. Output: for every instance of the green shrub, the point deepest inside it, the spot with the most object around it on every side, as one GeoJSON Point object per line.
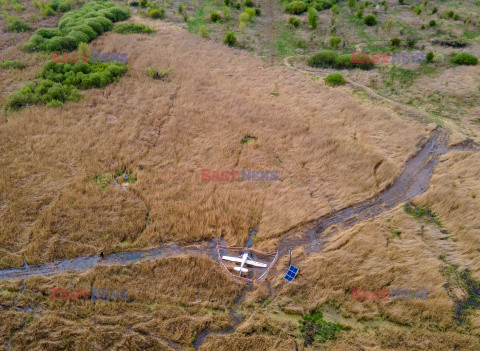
{"type": "Point", "coordinates": [95, 25]}
{"type": "Point", "coordinates": [395, 41]}
{"type": "Point", "coordinates": [370, 20]}
{"type": "Point", "coordinates": [401, 2]}
{"type": "Point", "coordinates": [335, 79]}
{"type": "Point", "coordinates": [334, 41]}
{"type": "Point", "coordinates": [258, 12]}
{"type": "Point", "coordinates": [325, 58]}
{"type": "Point", "coordinates": [248, 3]}
{"type": "Point", "coordinates": [143, 3]}
{"type": "Point", "coordinates": [86, 30]}
{"type": "Point", "coordinates": [422, 27]}
{"type": "Point", "coordinates": [202, 31]}
{"type": "Point", "coordinates": [294, 21]}
{"type": "Point", "coordinates": [418, 10]}
{"type": "Point", "coordinates": [120, 13]}
{"type": "Point", "coordinates": [343, 61]}
{"type": "Point", "coordinates": [238, 6]}
{"type": "Point", "coordinates": [12, 64]}
{"type": "Point", "coordinates": [335, 9]}
{"type": "Point", "coordinates": [64, 6]}
{"type": "Point", "coordinates": [130, 28]}
{"type": "Point", "coordinates": [47, 10]}
{"type": "Point", "coordinates": [456, 17]}
{"type": "Point", "coordinates": [360, 13]}
{"type": "Point", "coordinates": [465, 58]}
{"type": "Point", "coordinates": [432, 23]}
{"type": "Point", "coordinates": [48, 32]}
{"type": "Point", "coordinates": [411, 42]}
{"type": "Point", "coordinates": [430, 56]}
{"type": "Point", "coordinates": [296, 7]}
{"type": "Point", "coordinates": [54, 103]}
{"type": "Point", "coordinates": [312, 17]}
{"type": "Point", "coordinates": [230, 39]}
{"type": "Point", "coordinates": [300, 43]}
{"type": "Point", "coordinates": [18, 7]}
{"type": "Point", "coordinates": [450, 41]}
{"type": "Point", "coordinates": [250, 12]}
{"type": "Point", "coordinates": [19, 26]}
{"type": "Point", "coordinates": [161, 74]}
{"type": "Point", "coordinates": [214, 17]}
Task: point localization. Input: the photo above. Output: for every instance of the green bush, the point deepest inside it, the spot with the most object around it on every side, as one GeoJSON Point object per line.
{"type": "Point", "coordinates": [325, 58]}
{"type": "Point", "coordinates": [312, 17]}
{"type": "Point", "coordinates": [334, 41]}
{"type": "Point", "coordinates": [294, 21]}
{"type": "Point", "coordinates": [48, 32]}
{"type": "Point", "coordinates": [18, 7]}
{"type": "Point", "coordinates": [78, 37]}
{"type": "Point", "coordinates": [411, 42]}
{"type": "Point", "coordinates": [300, 43]}
{"type": "Point", "coordinates": [250, 12]}
{"type": "Point", "coordinates": [12, 64]}
{"type": "Point", "coordinates": [456, 17]}
{"type": "Point", "coordinates": [54, 103]}
{"type": "Point", "coordinates": [19, 26]}
{"type": "Point", "coordinates": [230, 39]}
{"type": "Point", "coordinates": [395, 41]}
{"type": "Point", "coordinates": [214, 17]}
{"type": "Point", "coordinates": [258, 12]}
{"type": "Point", "coordinates": [430, 56]}
{"type": "Point", "coordinates": [143, 3]}
{"type": "Point", "coordinates": [47, 10]}
{"type": "Point", "coordinates": [465, 58]}
{"type": "Point", "coordinates": [360, 13]}
{"type": "Point", "coordinates": [451, 41]}
{"type": "Point", "coordinates": [248, 3]}
{"type": "Point", "coordinates": [238, 6]}
{"type": "Point", "coordinates": [157, 13]}
{"type": "Point", "coordinates": [335, 79]}
{"type": "Point", "coordinates": [203, 31]}
{"type": "Point", "coordinates": [58, 83]}
{"type": "Point", "coordinates": [432, 23]}
{"type": "Point", "coordinates": [76, 26]}
{"type": "Point", "coordinates": [344, 61]}
{"type": "Point", "coordinates": [130, 28]}
{"type": "Point", "coordinates": [370, 20]}
{"type": "Point", "coordinates": [335, 9]}
{"type": "Point", "coordinates": [296, 7]}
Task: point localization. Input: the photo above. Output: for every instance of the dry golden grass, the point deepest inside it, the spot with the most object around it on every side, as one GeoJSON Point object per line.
{"type": "Point", "coordinates": [167, 132]}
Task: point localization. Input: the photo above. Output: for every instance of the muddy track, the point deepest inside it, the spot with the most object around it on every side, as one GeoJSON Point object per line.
{"type": "Point", "coordinates": [413, 181]}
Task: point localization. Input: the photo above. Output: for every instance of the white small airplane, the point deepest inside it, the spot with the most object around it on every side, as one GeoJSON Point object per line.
{"type": "Point", "coordinates": [244, 260]}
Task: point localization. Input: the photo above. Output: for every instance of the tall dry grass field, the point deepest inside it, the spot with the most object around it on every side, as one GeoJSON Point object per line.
{"type": "Point", "coordinates": [324, 145]}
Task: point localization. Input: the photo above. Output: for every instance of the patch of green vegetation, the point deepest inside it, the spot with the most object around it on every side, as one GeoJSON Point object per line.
{"type": "Point", "coordinates": [59, 82]}
{"type": "Point", "coordinates": [126, 174]}
{"type": "Point", "coordinates": [419, 212]}
{"type": "Point", "coordinates": [12, 64]}
{"type": "Point", "coordinates": [19, 26]}
{"type": "Point", "coordinates": [314, 327]}
{"type": "Point", "coordinates": [102, 180]}
{"type": "Point", "coordinates": [130, 28]}
{"type": "Point", "coordinates": [248, 138]}
{"type": "Point", "coordinates": [286, 44]}
{"type": "Point", "coordinates": [465, 281]}
{"type": "Point", "coordinates": [160, 74]}
{"type": "Point", "coordinates": [77, 26]}
{"type": "Point", "coordinates": [335, 79]}
{"type": "Point", "coordinates": [199, 18]}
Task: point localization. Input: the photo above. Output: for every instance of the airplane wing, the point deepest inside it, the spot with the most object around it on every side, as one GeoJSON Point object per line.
{"type": "Point", "coordinates": [234, 259]}
{"type": "Point", "coordinates": [256, 264]}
